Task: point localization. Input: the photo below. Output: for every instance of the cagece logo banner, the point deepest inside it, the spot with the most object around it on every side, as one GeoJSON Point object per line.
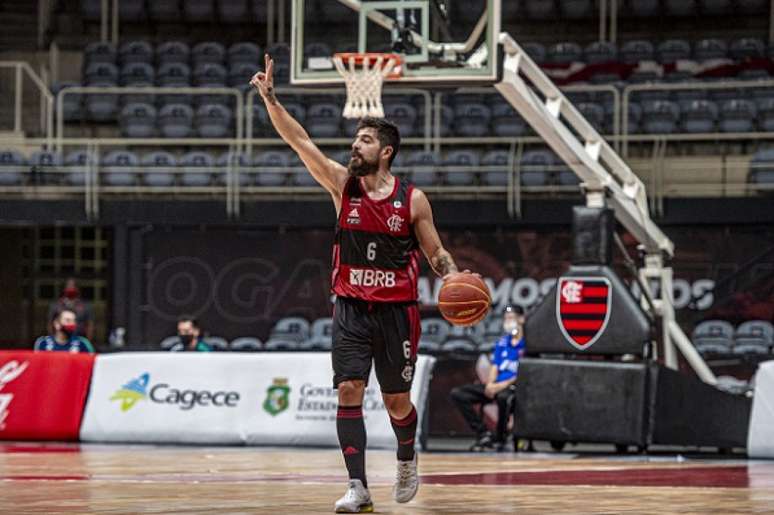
{"type": "Point", "coordinates": [162, 393]}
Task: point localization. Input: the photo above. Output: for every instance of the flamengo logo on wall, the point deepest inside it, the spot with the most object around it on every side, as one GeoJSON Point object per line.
{"type": "Point", "coordinates": [162, 393]}
{"type": "Point", "coordinates": [8, 373]}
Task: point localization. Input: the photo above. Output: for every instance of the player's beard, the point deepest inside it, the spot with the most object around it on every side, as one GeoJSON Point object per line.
{"type": "Point", "coordinates": [360, 167]}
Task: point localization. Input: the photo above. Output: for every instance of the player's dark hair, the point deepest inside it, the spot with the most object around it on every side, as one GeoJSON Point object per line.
{"type": "Point", "coordinates": [188, 318]}
{"type": "Point", "coordinates": [386, 131]}
{"type": "Point", "coordinates": [58, 313]}
{"type": "Point", "coordinates": [514, 308]}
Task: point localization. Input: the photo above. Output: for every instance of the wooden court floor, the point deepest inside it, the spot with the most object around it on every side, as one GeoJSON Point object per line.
{"type": "Point", "coordinates": [208, 480]}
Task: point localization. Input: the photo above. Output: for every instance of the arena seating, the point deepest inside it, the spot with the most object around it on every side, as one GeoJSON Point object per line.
{"type": "Point", "coordinates": [718, 337]}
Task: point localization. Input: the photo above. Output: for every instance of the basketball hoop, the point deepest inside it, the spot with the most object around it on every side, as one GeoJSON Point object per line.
{"type": "Point", "coordinates": [364, 75]}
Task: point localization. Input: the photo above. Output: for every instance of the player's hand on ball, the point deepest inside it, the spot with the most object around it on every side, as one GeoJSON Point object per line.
{"type": "Point", "coordinates": [452, 274]}
{"type": "Point", "coordinates": [264, 81]}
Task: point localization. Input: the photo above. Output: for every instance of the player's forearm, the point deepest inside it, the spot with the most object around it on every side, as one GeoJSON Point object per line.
{"type": "Point", "coordinates": [442, 263]}
{"type": "Point", "coordinates": [287, 127]}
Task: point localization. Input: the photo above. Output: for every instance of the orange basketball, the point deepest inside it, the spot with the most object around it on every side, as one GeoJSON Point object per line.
{"type": "Point", "coordinates": [464, 299]}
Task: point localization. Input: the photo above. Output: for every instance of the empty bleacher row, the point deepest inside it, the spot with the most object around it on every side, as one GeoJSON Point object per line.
{"type": "Point", "coordinates": [281, 167]}
{"type": "Point", "coordinates": [719, 338]}
{"type": "Point", "coordinates": [711, 338]}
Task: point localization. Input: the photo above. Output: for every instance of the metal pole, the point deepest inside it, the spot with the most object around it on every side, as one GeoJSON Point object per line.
{"type": "Point", "coordinates": [115, 21]}
{"type": "Point", "coordinates": [281, 22]}
{"type": "Point", "coordinates": [103, 21]}
{"type": "Point", "coordinates": [17, 109]}
{"type": "Point", "coordinates": [603, 19]}
{"type": "Point", "coordinates": [771, 22]}
{"type": "Point", "coordinates": [690, 353]}
{"type": "Point", "coordinates": [270, 22]}
{"type": "Point", "coordinates": [613, 21]}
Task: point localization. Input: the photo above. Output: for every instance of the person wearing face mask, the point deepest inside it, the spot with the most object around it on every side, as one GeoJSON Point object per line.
{"type": "Point", "coordinates": [71, 299]}
{"type": "Point", "coordinates": [499, 388]}
{"type": "Point", "coordinates": [65, 335]}
{"type": "Point", "coordinates": [190, 335]}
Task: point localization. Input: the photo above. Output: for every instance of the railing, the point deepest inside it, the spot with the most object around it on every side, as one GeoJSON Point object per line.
{"type": "Point", "coordinates": [21, 69]}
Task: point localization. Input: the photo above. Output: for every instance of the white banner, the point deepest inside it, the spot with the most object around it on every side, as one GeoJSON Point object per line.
{"type": "Point", "coordinates": [760, 440]}
{"type": "Point", "coordinates": [261, 399]}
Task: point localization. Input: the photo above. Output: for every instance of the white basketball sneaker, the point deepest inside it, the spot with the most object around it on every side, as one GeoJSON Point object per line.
{"type": "Point", "coordinates": [356, 500]}
{"type": "Point", "coordinates": [406, 482]}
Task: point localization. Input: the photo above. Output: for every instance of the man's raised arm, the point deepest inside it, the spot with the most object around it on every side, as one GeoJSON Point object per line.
{"type": "Point", "coordinates": [330, 174]}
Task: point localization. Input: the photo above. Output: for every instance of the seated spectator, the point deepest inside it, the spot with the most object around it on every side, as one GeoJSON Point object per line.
{"type": "Point", "coordinates": [65, 337]}
{"type": "Point", "coordinates": [190, 335]}
{"type": "Point", "coordinates": [499, 388]}
{"type": "Point", "coordinates": [71, 300]}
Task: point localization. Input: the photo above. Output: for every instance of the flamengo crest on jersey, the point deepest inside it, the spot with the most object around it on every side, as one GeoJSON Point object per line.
{"type": "Point", "coordinates": [375, 255]}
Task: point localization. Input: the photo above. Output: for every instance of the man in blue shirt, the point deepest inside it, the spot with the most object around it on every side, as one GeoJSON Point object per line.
{"type": "Point", "coordinates": [65, 337]}
{"type": "Point", "coordinates": [499, 387]}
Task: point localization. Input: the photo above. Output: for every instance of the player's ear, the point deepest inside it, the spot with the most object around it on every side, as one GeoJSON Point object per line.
{"type": "Point", "coordinates": [387, 151]}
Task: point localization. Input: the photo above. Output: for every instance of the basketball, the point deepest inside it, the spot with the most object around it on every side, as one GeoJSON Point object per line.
{"type": "Point", "coordinates": [464, 299]}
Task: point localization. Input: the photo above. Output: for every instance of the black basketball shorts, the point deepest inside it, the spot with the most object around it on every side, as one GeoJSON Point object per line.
{"type": "Point", "coordinates": [386, 333]}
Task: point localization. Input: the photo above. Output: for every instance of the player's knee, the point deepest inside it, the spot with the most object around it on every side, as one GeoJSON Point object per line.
{"type": "Point", "coordinates": [351, 392]}
{"type": "Point", "coordinates": [398, 404]}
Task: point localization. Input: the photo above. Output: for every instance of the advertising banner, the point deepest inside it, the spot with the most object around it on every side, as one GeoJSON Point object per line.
{"type": "Point", "coordinates": [760, 441]}
{"type": "Point", "coordinates": [42, 394]}
{"type": "Point", "coordinates": [261, 399]}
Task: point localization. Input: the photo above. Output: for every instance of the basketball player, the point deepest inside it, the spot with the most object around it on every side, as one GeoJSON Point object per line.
{"type": "Point", "coordinates": [382, 223]}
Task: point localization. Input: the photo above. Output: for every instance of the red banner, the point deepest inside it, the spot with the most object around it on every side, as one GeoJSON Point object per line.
{"type": "Point", "coordinates": [42, 394]}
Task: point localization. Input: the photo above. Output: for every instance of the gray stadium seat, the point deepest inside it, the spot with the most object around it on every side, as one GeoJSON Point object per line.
{"type": "Point", "coordinates": [101, 107]}
{"type": "Point", "coordinates": [634, 118]}
{"type": "Point", "coordinates": [323, 120]}
{"type": "Point", "coordinates": [288, 333]}
{"type": "Point", "coordinates": [321, 335]}
{"type": "Point", "coordinates": [299, 175]}
{"type": "Point", "coordinates": [404, 115]}
{"type": "Point", "coordinates": [245, 344]}
{"type": "Point", "coordinates": [208, 52]}
{"type": "Point", "coordinates": [461, 158]}
{"type": "Point", "coordinates": [169, 342]}
{"type": "Point", "coordinates": [423, 165]}
{"type": "Point", "coordinates": [240, 164]}
{"type": "Point", "coordinates": [737, 116]}
{"type": "Point", "coordinates": [164, 10]}
{"type": "Point", "coordinates": [138, 121]}
{"type": "Point", "coordinates": [159, 169]}
{"type": "Point", "coordinates": [564, 53]}
{"type": "Point", "coordinates": [99, 52]}
{"type": "Point", "coordinates": [762, 167]}
{"type": "Point", "coordinates": [176, 121]}
{"type": "Point", "coordinates": [261, 125]}
{"type": "Point", "coordinates": [72, 105]}
{"type": "Point", "coordinates": [198, 168]}
{"type": "Point", "coordinates": [600, 52]}
{"type": "Point", "coordinates": [137, 75]}
{"type": "Point", "coordinates": [699, 116]}
{"type": "Point", "coordinates": [233, 11]}
{"type": "Point", "coordinates": [506, 122]}
{"type": "Point", "coordinates": [660, 117]}
{"type": "Point", "coordinates": [217, 343]}
{"type": "Point", "coordinates": [753, 74]}
{"type": "Point", "coordinates": [199, 10]}
{"type": "Point", "coordinates": [271, 167]}
{"type": "Point", "coordinates": [673, 50]}
{"type": "Point", "coordinates": [174, 75]}
{"type": "Point", "coordinates": [536, 51]}
{"type": "Point", "coordinates": [594, 114]}
{"type": "Point", "coordinates": [173, 52]}
{"type": "Point", "coordinates": [459, 345]}
{"type": "Point", "coordinates": [46, 166]}
{"type": "Point", "coordinates": [434, 333]}
{"type": "Point", "coordinates": [13, 165]}
{"type": "Point", "coordinates": [132, 52]}
{"type": "Point", "coordinates": [713, 337]}
{"type": "Point", "coordinates": [765, 108]}
{"type": "Point", "coordinates": [574, 9]}
{"type": "Point", "coordinates": [747, 48]}
{"type": "Point", "coordinates": [473, 334]}
{"type": "Point", "coordinates": [210, 75]}
{"type": "Point", "coordinates": [633, 52]}
{"type": "Point", "coordinates": [245, 52]}
{"type": "Point", "coordinates": [499, 161]}
{"type": "Point", "coordinates": [119, 168]}
{"type": "Point", "coordinates": [710, 48]}
{"type": "Point", "coordinates": [240, 74]}
{"type": "Point", "coordinates": [536, 167]}
{"type": "Point", "coordinates": [472, 120]}
{"type": "Point", "coordinates": [754, 337]}
{"type": "Point", "coordinates": [213, 121]}
{"type": "Point", "coordinates": [101, 73]}
{"type": "Point", "coordinates": [76, 163]}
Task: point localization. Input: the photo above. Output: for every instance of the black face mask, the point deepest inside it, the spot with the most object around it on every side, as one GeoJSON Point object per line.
{"type": "Point", "coordinates": [186, 339]}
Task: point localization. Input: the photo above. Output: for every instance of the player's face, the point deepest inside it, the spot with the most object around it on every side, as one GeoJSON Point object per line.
{"type": "Point", "coordinates": [366, 151]}
{"type": "Point", "coordinates": [186, 329]}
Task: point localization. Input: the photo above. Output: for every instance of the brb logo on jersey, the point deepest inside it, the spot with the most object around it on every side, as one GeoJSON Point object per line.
{"type": "Point", "coordinates": [583, 309]}
{"type": "Point", "coordinates": [371, 278]}
{"type": "Point", "coordinates": [8, 373]}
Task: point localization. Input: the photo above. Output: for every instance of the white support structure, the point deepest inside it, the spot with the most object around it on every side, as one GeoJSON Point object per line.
{"type": "Point", "coordinates": [606, 179]}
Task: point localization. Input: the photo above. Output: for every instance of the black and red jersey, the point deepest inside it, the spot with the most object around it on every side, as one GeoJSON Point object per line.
{"type": "Point", "coordinates": [375, 255]}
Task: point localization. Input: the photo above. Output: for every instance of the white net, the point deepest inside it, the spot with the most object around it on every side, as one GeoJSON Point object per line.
{"type": "Point", "coordinates": [364, 82]}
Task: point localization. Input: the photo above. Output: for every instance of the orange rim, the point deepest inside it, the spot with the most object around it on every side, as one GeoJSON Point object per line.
{"type": "Point", "coordinates": [372, 58]}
